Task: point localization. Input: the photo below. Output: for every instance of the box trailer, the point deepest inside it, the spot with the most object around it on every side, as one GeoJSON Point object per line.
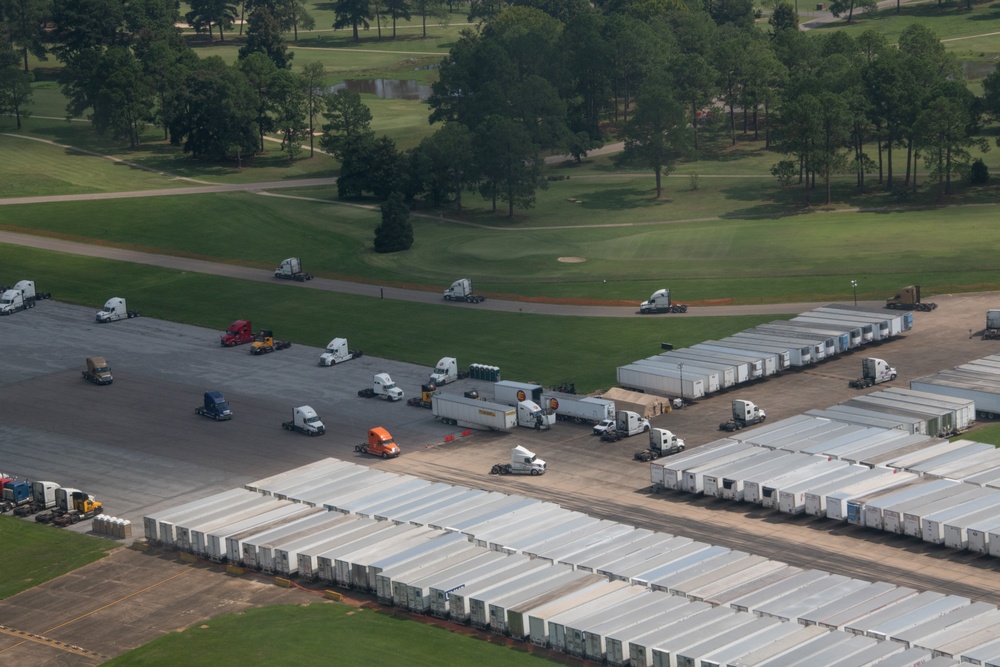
{"type": "Point", "coordinates": [836, 503]}
{"type": "Point", "coordinates": [327, 466]}
{"type": "Point", "coordinates": [188, 534]}
{"type": "Point", "coordinates": [779, 353]}
{"type": "Point", "coordinates": [436, 501]}
{"type": "Point", "coordinates": [462, 604]}
{"type": "Point", "coordinates": [733, 372]}
{"type": "Point", "coordinates": [737, 654]}
{"type": "Point", "coordinates": [619, 637]}
{"type": "Point", "coordinates": [639, 649]}
{"type": "Point", "coordinates": [159, 526]}
{"type": "Point", "coordinates": [550, 629]}
{"type": "Point", "coordinates": [795, 606]}
{"type": "Point", "coordinates": [792, 498]}
{"type": "Point", "coordinates": [604, 533]}
{"type": "Point", "coordinates": [519, 616]}
{"type": "Point", "coordinates": [876, 507]}
{"type": "Point", "coordinates": [423, 496]}
{"type": "Point", "coordinates": [798, 355]}
{"type": "Point", "coordinates": [713, 379]}
{"type": "Point", "coordinates": [933, 526]}
{"type": "Point", "coordinates": [652, 380]}
{"type": "Point", "coordinates": [917, 610]}
{"type": "Point", "coordinates": [326, 568]}
{"type": "Point", "coordinates": [953, 619]}
{"type": "Point", "coordinates": [914, 514]}
{"type": "Point", "coordinates": [512, 393]}
{"type": "Point", "coordinates": [296, 530]}
{"type": "Point", "coordinates": [763, 362]}
{"type": "Point", "coordinates": [451, 602]}
{"type": "Point", "coordinates": [581, 409]}
{"type": "Point", "coordinates": [830, 343]}
{"type": "Point", "coordinates": [235, 543]}
{"type": "Point", "coordinates": [593, 641]}
{"type": "Point", "coordinates": [351, 566]}
{"type": "Point", "coordinates": [857, 507]}
{"type": "Point", "coordinates": [472, 413]}
{"type": "Point", "coordinates": [664, 653]}
{"type": "Point", "coordinates": [299, 556]}
{"type": "Point", "coordinates": [780, 589]}
{"type": "Point", "coordinates": [746, 368]}
{"type": "Point", "coordinates": [714, 480]}
{"type": "Point", "coordinates": [666, 473]}
{"type": "Point", "coordinates": [808, 475]}
{"type": "Point", "coordinates": [467, 557]}
{"type": "Point", "coordinates": [566, 584]}
{"type": "Point", "coordinates": [753, 486]}
{"type": "Point", "coordinates": [740, 636]}
{"type": "Point", "coordinates": [811, 351]}
{"type": "Point", "coordinates": [985, 393]}
{"type": "Point", "coordinates": [214, 544]}
{"type": "Point", "coordinates": [418, 596]}
{"type": "Point", "coordinates": [693, 477]}
{"type": "Point", "coordinates": [382, 569]}
{"type": "Point", "coordinates": [736, 585]}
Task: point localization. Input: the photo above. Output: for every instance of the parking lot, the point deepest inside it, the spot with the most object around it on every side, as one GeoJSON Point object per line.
{"type": "Point", "coordinates": [138, 446]}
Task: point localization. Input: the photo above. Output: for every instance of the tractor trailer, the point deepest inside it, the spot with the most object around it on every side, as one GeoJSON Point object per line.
{"type": "Point", "coordinates": [472, 413]}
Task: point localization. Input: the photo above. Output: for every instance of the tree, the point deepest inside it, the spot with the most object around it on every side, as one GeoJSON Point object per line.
{"type": "Point", "coordinates": [25, 21]}
{"type": "Point", "coordinates": [165, 66]}
{"type": "Point", "coordinates": [385, 168]}
{"type": "Point", "coordinates": [264, 36]}
{"type": "Point", "coordinates": [436, 9]}
{"type": "Point", "coordinates": [838, 7]}
{"type": "Point", "coordinates": [87, 24]}
{"type": "Point", "coordinates": [444, 164]}
{"type": "Point", "coordinates": [784, 17]}
{"type": "Point", "coordinates": [991, 93]}
{"type": "Point", "coordinates": [259, 72]}
{"type": "Point", "coordinates": [292, 15]}
{"type": "Point", "coordinates": [657, 135]}
{"type": "Point", "coordinates": [288, 106]}
{"type": "Point", "coordinates": [509, 163]}
{"type": "Point", "coordinates": [397, 9]}
{"type": "Point", "coordinates": [348, 118]}
{"type": "Point", "coordinates": [943, 130]}
{"type": "Point", "coordinates": [736, 12]}
{"type": "Point", "coordinates": [352, 13]}
{"type": "Point", "coordinates": [355, 155]}
{"type": "Point", "coordinates": [587, 64]}
{"type": "Point", "coordinates": [312, 84]}
{"type": "Point", "coordinates": [395, 234]}
{"type": "Point", "coordinates": [15, 88]}
{"type": "Point", "coordinates": [205, 15]}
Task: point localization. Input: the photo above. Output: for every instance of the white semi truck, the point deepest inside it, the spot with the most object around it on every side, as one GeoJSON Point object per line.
{"type": "Point", "coordinates": [115, 309]}
{"type": "Point", "coordinates": [745, 413]}
{"type": "Point", "coordinates": [659, 302]}
{"type": "Point", "coordinates": [382, 387]}
{"type": "Point", "coordinates": [873, 371]}
{"type": "Point", "coordinates": [305, 420]}
{"type": "Point", "coordinates": [21, 296]}
{"type": "Point", "coordinates": [522, 462]}
{"type": "Point", "coordinates": [446, 371]}
{"type": "Point", "coordinates": [661, 443]}
{"type": "Point", "coordinates": [461, 290]}
{"type": "Point", "coordinates": [291, 269]}
{"type": "Point", "coordinates": [337, 352]}
{"type": "Point", "coordinates": [627, 424]}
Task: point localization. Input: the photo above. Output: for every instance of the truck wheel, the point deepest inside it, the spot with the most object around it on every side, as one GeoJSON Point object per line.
{"type": "Point", "coordinates": [495, 470]}
{"type": "Point", "coordinates": [534, 473]}
{"type": "Point", "coordinates": [385, 455]}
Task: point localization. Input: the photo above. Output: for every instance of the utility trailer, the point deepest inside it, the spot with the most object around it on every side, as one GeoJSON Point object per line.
{"type": "Point", "coordinates": [471, 413]}
{"type": "Point", "coordinates": [581, 409]}
{"type": "Point", "coordinates": [661, 380]}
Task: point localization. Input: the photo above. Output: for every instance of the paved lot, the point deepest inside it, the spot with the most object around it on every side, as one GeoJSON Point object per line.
{"type": "Point", "coordinates": [138, 446]}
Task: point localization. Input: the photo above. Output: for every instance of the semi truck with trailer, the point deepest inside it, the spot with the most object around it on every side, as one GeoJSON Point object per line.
{"type": "Point", "coordinates": [215, 406]}
{"type": "Point", "coordinates": [382, 387]}
{"type": "Point", "coordinates": [461, 290]}
{"type": "Point", "coordinates": [661, 443]}
{"type": "Point", "coordinates": [337, 352]}
{"type": "Point", "coordinates": [473, 413]}
{"type": "Point", "coordinates": [21, 296]}
{"type": "Point", "coordinates": [291, 269]}
{"type": "Point", "coordinates": [522, 462]}
{"type": "Point", "coordinates": [380, 443]}
{"type": "Point", "coordinates": [115, 309]}
{"type": "Point", "coordinates": [266, 343]}
{"type": "Point", "coordinates": [745, 413]}
{"type": "Point", "coordinates": [239, 332]}
{"type": "Point", "coordinates": [873, 371]}
{"type": "Point", "coordinates": [660, 302]}
{"type": "Point", "coordinates": [98, 371]}
{"type": "Point", "coordinates": [305, 420]}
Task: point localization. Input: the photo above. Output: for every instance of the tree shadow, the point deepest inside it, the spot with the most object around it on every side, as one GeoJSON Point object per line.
{"type": "Point", "coordinates": [621, 199]}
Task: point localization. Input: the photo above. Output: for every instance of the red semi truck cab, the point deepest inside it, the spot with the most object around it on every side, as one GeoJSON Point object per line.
{"type": "Point", "coordinates": [238, 333]}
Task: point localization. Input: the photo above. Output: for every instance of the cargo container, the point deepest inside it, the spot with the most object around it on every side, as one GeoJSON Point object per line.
{"type": "Point", "coordinates": [792, 498]}
{"type": "Point", "coordinates": [877, 505]}
{"type": "Point", "coordinates": [932, 526]}
{"type": "Point", "coordinates": [753, 487]}
{"type": "Point", "coordinates": [836, 503]}
{"type": "Point", "coordinates": [926, 607]}
{"type": "Point", "coordinates": [472, 413]}
{"type": "Point", "coordinates": [661, 381]}
{"type": "Point", "coordinates": [666, 473]}
{"type": "Point", "coordinates": [714, 480]}
{"type": "Point", "coordinates": [770, 362]}
{"type": "Point", "coordinates": [582, 409]}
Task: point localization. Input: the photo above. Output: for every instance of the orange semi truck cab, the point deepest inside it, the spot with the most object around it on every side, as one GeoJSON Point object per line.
{"type": "Point", "coordinates": [380, 443]}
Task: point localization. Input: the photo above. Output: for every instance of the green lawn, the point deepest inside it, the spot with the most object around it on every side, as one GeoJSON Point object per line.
{"type": "Point", "coordinates": [323, 634]}
{"type": "Point", "coordinates": [35, 553]}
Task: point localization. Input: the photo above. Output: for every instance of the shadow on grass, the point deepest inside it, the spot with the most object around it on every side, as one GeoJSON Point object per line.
{"type": "Point", "coordinates": [621, 199]}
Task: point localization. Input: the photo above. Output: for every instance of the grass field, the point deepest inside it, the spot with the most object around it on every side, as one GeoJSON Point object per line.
{"type": "Point", "coordinates": [35, 553]}
{"type": "Point", "coordinates": [322, 634]}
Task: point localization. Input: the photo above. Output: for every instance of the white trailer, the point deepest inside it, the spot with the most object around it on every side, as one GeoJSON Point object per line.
{"type": "Point", "coordinates": [755, 363]}
{"type": "Point", "coordinates": [512, 393]}
{"type": "Point", "coordinates": [324, 467]}
{"type": "Point", "coordinates": [618, 636]}
{"type": "Point", "coordinates": [802, 636]}
{"type": "Point", "coordinates": [551, 630]}
{"type": "Point", "coordinates": [382, 570]}
{"type": "Point", "coordinates": [735, 372]}
{"type": "Point", "coordinates": [770, 491]}
{"type": "Point", "coordinates": [189, 534]}
{"type": "Point", "coordinates": [836, 503]}
{"type": "Point", "coordinates": [753, 487]}
{"type": "Point", "coordinates": [752, 585]}
{"type": "Point", "coordinates": [712, 379]}
{"type": "Point", "coordinates": [240, 544]}
{"type": "Point", "coordinates": [782, 589]}
{"type": "Point", "coordinates": [984, 392]}
{"type": "Point", "coordinates": [457, 601]}
{"type": "Point", "coordinates": [594, 641]}
{"type": "Point", "coordinates": [418, 597]}
{"type": "Point", "coordinates": [807, 351]}
{"type": "Point", "coordinates": [737, 653]}
{"type": "Point", "coordinates": [876, 506]}
{"type": "Point", "coordinates": [714, 481]}
{"type": "Point", "coordinates": [978, 534]}
{"type": "Point", "coordinates": [519, 617]}
{"type": "Point", "coordinates": [846, 338]}
{"type": "Point", "coordinates": [214, 546]}
{"type": "Point", "coordinates": [913, 516]}
{"type": "Point", "coordinates": [953, 619]}
{"type": "Point", "coordinates": [727, 584]}
{"type": "Point", "coordinates": [472, 413]}
{"type": "Point", "coordinates": [298, 556]}
{"type": "Point", "coordinates": [792, 498]}
{"type": "Point", "coordinates": [693, 477]}
{"type": "Point", "coordinates": [692, 655]}
{"type": "Point", "coordinates": [582, 409]}
{"type": "Point", "coordinates": [606, 534]}
{"type": "Point", "coordinates": [733, 624]}
{"type": "Point", "coordinates": [667, 473]}
{"type": "Point", "coordinates": [638, 650]}
{"type": "Point", "coordinates": [933, 526]}
{"type": "Point", "coordinates": [151, 522]}
{"type": "Point", "coordinates": [561, 586]}
{"type": "Point", "coordinates": [398, 579]}
{"type": "Point", "coordinates": [653, 380]}
{"type": "Point", "coordinates": [914, 611]}
{"type": "Point", "coordinates": [827, 344]}
{"type": "Point", "coordinates": [776, 360]}
{"type": "Point", "coordinates": [326, 562]}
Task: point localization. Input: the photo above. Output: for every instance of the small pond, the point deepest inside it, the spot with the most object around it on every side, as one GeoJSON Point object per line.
{"type": "Point", "coordinates": [387, 89]}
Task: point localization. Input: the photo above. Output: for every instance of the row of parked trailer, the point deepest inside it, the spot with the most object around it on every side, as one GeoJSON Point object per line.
{"type": "Point", "coordinates": [978, 381]}
{"type": "Point", "coordinates": [762, 351]}
{"type": "Point", "coordinates": [944, 492]}
{"type": "Point", "coordinates": [591, 588]}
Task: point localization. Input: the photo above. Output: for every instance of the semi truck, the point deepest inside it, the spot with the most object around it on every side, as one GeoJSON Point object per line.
{"type": "Point", "coordinates": [661, 443]}
{"type": "Point", "coordinates": [531, 415]}
{"type": "Point", "coordinates": [24, 498]}
{"type": "Point", "coordinates": [215, 406]}
{"type": "Point", "coordinates": [581, 409]}
{"type": "Point", "coordinates": [98, 371]}
{"type": "Point", "coordinates": [20, 297]}
{"type": "Point", "coordinates": [265, 343]}
{"type": "Point", "coordinates": [659, 302]}
{"type": "Point", "coordinates": [380, 443]}
{"type": "Point", "coordinates": [873, 371]}
{"type": "Point", "coordinates": [305, 420]}
{"type": "Point", "coordinates": [522, 462]}
{"type": "Point", "coordinates": [992, 330]}
{"type": "Point", "coordinates": [908, 298]}
{"type": "Point", "coordinates": [338, 352]}
{"type": "Point", "coordinates": [446, 371]}
{"type": "Point", "coordinates": [627, 424]}
{"type": "Point", "coordinates": [291, 269]}
{"type": "Point", "coordinates": [424, 400]}
{"type": "Point", "coordinates": [472, 413]}
{"type": "Point", "coordinates": [72, 506]}
{"type": "Point", "coordinates": [461, 290]}
{"type": "Point", "coordinates": [383, 387]}
{"type": "Point", "coordinates": [745, 413]}
{"type": "Point", "coordinates": [115, 309]}
{"type": "Point", "coordinates": [238, 333]}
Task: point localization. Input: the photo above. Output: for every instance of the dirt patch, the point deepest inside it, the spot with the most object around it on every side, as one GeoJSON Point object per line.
{"type": "Point", "coordinates": [572, 260]}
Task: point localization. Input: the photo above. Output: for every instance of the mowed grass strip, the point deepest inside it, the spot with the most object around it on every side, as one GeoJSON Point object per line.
{"type": "Point", "coordinates": [768, 260]}
{"type": "Point", "coordinates": [544, 348]}
{"type": "Point", "coordinates": [35, 553]}
{"type": "Point", "coordinates": [323, 634]}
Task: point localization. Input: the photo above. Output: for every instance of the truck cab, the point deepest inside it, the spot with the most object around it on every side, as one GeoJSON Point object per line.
{"type": "Point", "coordinates": [291, 269]}
{"type": "Point", "coordinates": [238, 333]}
{"type": "Point", "coordinates": [337, 352]}
{"type": "Point", "coordinates": [531, 415]}
{"type": "Point", "coordinates": [11, 301]}
{"type": "Point", "coordinates": [659, 302]}
{"type": "Point", "coordinates": [522, 462]}
{"type": "Point", "coordinates": [745, 413]}
{"type": "Point", "coordinates": [664, 443]}
{"type": "Point", "coordinates": [98, 371]}
{"type": "Point", "coordinates": [115, 309]}
{"type": "Point", "coordinates": [629, 423]}
{"type": "Point", "coordinates": [445, 371]}
{"type": "Point", "coordinates": [386, 388]}
{"type": "Point", "coordinates": [461, 290]}
{"type": "Point", "coordinates": [305, 420]}
{"type": "Point", "coordinates": [380, 443]}
{"type": "Point", "coordinates": [215, 406]}
{"type": "Point", "coordinates": [874, 371]}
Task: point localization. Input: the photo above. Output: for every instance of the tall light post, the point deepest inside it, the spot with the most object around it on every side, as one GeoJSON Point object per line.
{"type": "Point", "coordinates": [854, 284]}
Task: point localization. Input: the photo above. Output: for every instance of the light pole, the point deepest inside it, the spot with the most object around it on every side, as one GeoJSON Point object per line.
{"type": "Point", "coordinates": [854, 284]}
